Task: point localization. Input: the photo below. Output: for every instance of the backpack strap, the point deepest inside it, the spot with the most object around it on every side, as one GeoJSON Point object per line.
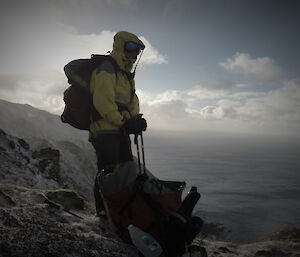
{"type": "Point", "coordinates": [129, 75]}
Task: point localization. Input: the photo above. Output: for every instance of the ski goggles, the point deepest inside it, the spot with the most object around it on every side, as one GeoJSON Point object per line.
{"type": "Point", "coordinates": [133, 47]}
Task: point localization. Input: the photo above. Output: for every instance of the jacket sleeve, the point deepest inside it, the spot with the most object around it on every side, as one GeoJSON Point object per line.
{"type": "Point", "coordinates": [102, 88]}
{"type": "Point", "coordinates": [134, 105]}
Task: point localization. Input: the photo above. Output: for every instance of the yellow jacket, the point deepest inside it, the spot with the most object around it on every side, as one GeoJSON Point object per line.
{"type": "Point", "coordinates": [111, 89]}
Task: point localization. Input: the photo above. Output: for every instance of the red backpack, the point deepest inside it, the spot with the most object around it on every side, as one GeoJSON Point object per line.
{"type": "Point", "coordinates": [153, 205]}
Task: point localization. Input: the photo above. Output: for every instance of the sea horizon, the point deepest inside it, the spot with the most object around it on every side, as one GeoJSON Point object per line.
{"type": "Point", "coordinates": [248, 184]}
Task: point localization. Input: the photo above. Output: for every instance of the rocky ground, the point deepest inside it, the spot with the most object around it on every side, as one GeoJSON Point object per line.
{"type": "Point", "coordinates": [33, 221]}
{"type": "Point", "coordinates": [31, 227]}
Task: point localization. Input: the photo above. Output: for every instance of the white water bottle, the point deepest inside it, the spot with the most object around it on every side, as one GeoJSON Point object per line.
{"type": "Point", "coordinates": [144, 242]}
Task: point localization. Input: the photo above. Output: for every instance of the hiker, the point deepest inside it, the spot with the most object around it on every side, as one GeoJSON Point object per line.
{"type": "Point", "coordinates": [101, 99]}
{"type": "Point", "coordinates": [115, 100]}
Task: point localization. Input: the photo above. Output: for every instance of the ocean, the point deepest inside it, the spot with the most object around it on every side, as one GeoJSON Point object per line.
{"type": "Point", "coordinates": [248, 184]}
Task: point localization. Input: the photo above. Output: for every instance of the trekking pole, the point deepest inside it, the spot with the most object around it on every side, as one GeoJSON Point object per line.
{"type": "Point", "coordinates": [138, 151]}
{"type": "Point", "coordinates": [143, 152]}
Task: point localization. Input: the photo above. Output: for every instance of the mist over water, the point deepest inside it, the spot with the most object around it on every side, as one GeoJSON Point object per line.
{"type": "Point", "coordinates": [250, 184]}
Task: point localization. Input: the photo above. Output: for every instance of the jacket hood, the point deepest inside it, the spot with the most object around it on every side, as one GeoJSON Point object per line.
{"type": "Point", "coordinates": [118, 49]}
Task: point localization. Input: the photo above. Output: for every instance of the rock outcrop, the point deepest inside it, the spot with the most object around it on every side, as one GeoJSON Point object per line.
{"type": "Point", "coordinates": [47, 165]}
{"type": "Point", "coordinates": [31, 227]}
{"type": "Point", "coordinates": [48, 162]}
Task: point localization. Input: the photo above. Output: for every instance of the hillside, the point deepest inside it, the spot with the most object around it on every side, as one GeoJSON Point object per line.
{"type": "Point", "coordinates": [25, 121]}
{"type": "Point", "coordinates": [41, 130]}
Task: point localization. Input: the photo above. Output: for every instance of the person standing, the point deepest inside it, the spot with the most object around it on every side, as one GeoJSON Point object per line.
{"type": "Point", "coordinates": [112, 86]}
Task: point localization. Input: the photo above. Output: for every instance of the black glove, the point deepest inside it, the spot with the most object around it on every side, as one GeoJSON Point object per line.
{"type": "Point", "coordinates": [143, 124]}
{"type": "Point", "coordinates": [135, 125]}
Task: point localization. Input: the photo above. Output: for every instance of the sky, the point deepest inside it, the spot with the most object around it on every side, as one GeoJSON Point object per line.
{"type": "Point", "coordinates": [209, 65]}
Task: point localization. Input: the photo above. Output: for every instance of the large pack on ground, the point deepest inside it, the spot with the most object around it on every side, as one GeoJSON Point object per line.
{"type": "Point", "coordinates": [132, 198]}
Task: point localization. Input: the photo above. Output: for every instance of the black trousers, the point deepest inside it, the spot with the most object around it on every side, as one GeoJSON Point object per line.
{"type": "Point", "coordinates": [111, 149]}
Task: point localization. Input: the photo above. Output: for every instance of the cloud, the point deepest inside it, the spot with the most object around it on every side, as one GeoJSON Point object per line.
{"type": "Point", "coordinates": [212, 112]}
{"type": "Point", "coordinates": [263, 68]}
{"type": "Point", "coordinates": [282, 104]}
{"type": "Point", "coordinates": [273, 112]}
{"type": "Point", "coordinates": [176, 114]}
{"type": "Point", "coordinates": [164, 100]}
{"type": "Point", "coordinates": [167, 96]}
{"type": "Point", "coordinates": [151, 55]}
{"type": "Point", "coordinates": [164, 111]}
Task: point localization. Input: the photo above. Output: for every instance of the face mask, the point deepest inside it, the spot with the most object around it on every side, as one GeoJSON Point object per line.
{"type": "Point", "coordinates": [131, 56]}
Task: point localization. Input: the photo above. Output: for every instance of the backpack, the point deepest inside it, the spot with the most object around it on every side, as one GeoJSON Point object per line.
{"type": "Point", "coordinates": [79, 108]}
{"type": "Point", "coordinates": [153, 205]}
